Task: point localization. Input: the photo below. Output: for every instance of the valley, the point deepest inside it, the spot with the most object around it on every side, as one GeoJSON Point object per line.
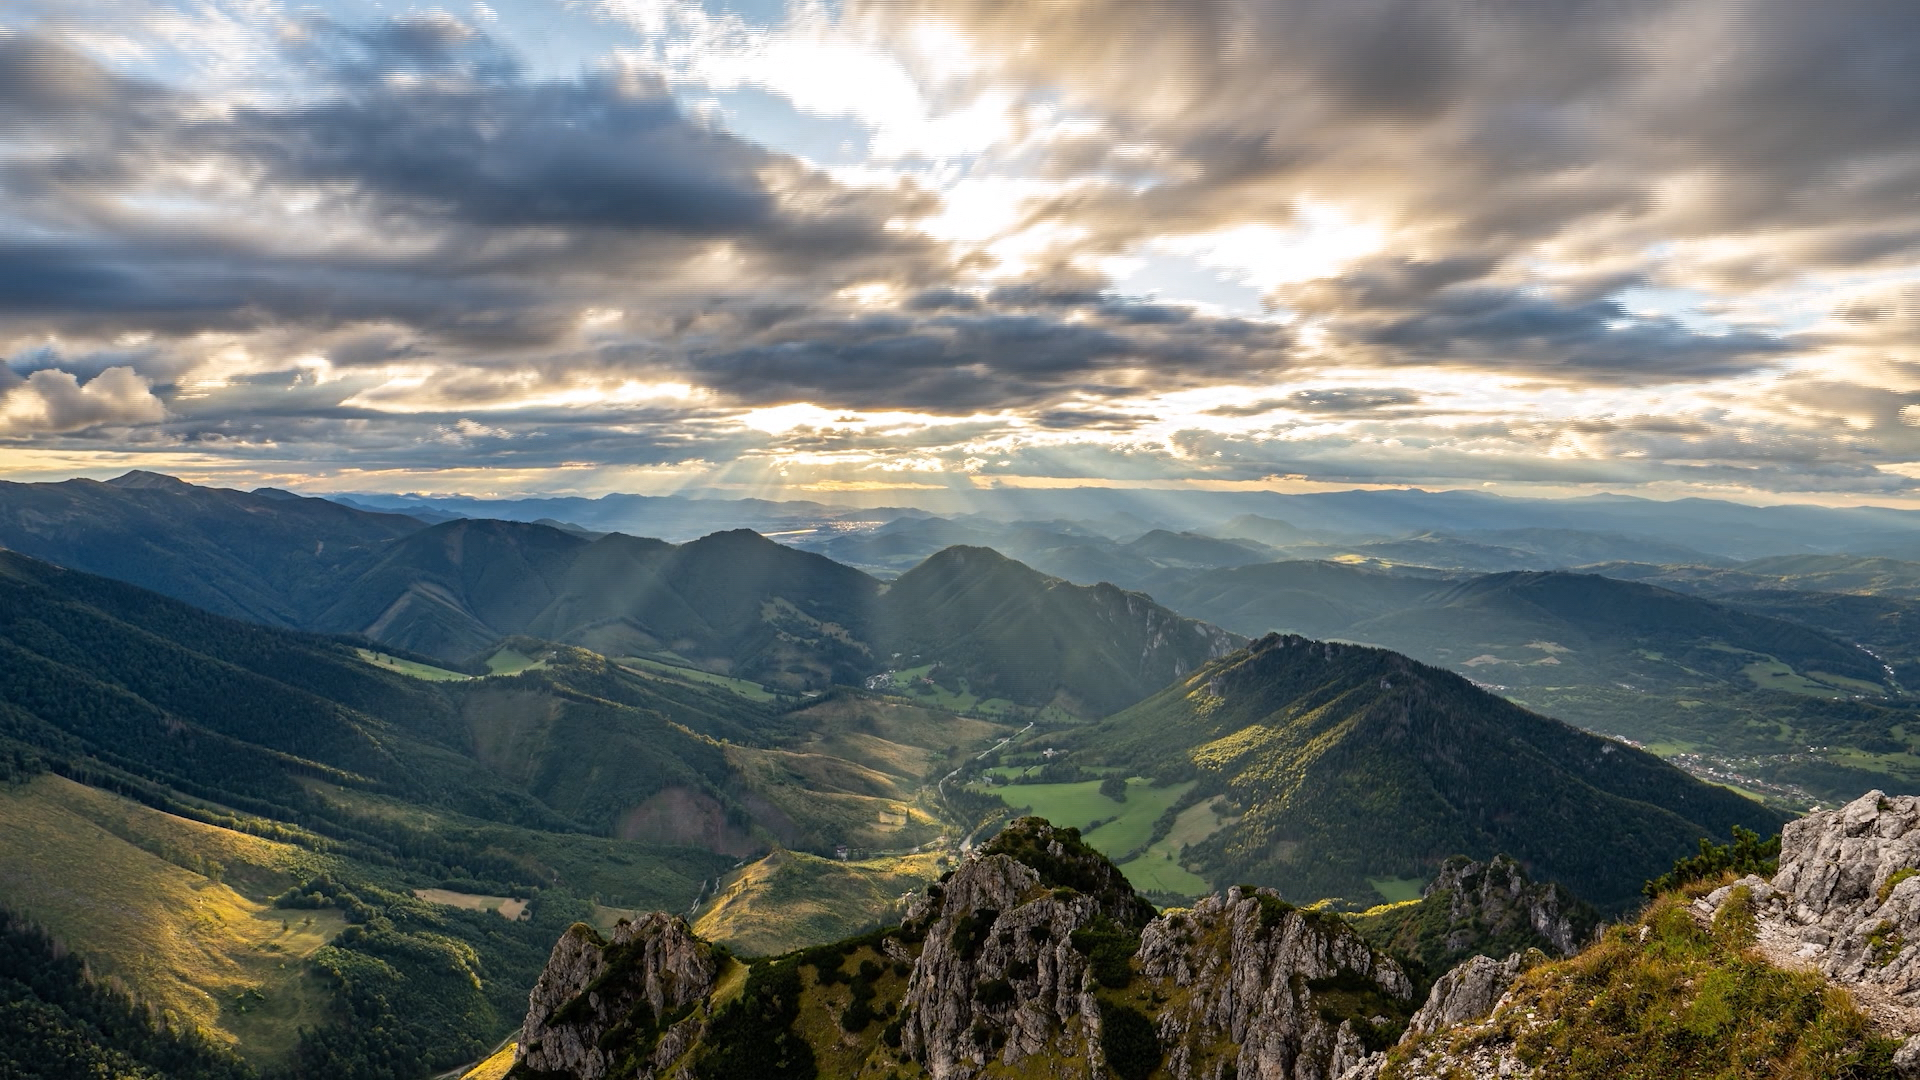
{"type": "Point", "coordinates": [375, 803]}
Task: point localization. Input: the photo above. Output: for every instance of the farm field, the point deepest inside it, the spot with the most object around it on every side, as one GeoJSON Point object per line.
{"type": "Point", "coordinates": [1158, 869]}
{"type": "Point", "coordinates": [1126, 826]}
{"type": "Point", "coordinates": [1161, 872]}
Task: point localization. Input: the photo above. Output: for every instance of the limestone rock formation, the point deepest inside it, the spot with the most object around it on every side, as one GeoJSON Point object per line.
{"type": "Point", "coordinates": [1467, 993]}
{"type": "Point", "coordinates": [1035, 956]}
{"type": "Point", "coordinates": [995, 924]}
{"type": "Point", "coordinates": [1464, 996]}
{"type": "Point", "coordinates": [599, 1001]}
{"type": "Point", "coordinates": [1846, 902]}
{"type": "Point", "coordinates": [1497, 896]}
{"type": "Point", "coordinates": [1262, 974]}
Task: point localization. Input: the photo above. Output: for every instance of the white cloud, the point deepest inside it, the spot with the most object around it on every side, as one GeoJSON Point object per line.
{"type": "Point", "coordinates": [52, 401]}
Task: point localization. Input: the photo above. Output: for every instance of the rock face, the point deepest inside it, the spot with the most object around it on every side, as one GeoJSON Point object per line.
{"type": "Point", "coordinates": [600, 1000]}
{"type": "Point", "coordinates": [1034, 957]}
{"type": "Point", "coordinates": [1496, 897]}
{"type": "Point", "coordinates": [1246, 969]}
{"type": "Point", "coordinates": [1464, 996]}
{"type": "Point", "coordinates": [1261, 974]}
{"type": "Point", "coordinates": [994, 923]}
{"type": "Point", "coordinates": [1466, 993]}
{"type": "Point", "coordinates": [1846, 902]}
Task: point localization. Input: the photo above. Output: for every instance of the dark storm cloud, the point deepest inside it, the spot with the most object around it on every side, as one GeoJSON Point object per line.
{"type": "Point", "coordinates": [1775, 133]}
{"type": "Point", "coordinates": [989, 357]}
{"type": "Point", "coordinates": [447, 192]}
{"type": "Point", "coordinates": [1403, 312]}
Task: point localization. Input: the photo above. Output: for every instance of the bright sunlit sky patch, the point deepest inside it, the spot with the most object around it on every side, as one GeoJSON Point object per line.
{"type": "Point", "coordinates": [595, 245]}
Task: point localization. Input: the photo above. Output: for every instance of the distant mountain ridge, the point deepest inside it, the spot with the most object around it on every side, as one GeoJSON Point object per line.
{"type": "Point", "coordinates": [264, 557]}
{"type": "Point", "coordinates": [733, 602]}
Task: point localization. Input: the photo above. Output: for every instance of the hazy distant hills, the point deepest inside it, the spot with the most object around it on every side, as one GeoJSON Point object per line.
{"type": "Point", "coordinates": [1555, 620]}
{"type": "Point", "coordinates": [1349, 764]}
{"type": "Point", "coordinates": [1721, 529]}
{"type": "Point", "coordinates": [732, 602]}
{"type": "Point", "coordinates": [671, 516]}
{"type": "Point", "coordinates": [1804, 573]}
{"type": "Point", "coordinates": [267, 557]}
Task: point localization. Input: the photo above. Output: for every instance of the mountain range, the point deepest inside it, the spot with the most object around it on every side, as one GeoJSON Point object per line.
{"type": "Point", "coordinates": [332, 780]}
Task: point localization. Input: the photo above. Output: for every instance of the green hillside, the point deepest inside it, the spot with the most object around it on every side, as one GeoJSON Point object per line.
{"type": "Point", "coordinates": [454, 589]}
{"type": "Point", "coordinates": [1352, 764]}
{"type": "Point", "coordinates": [999, 637]}
{"type": "Point", "coordinates": [1742, 686]}
{"type": "Point", "coordinates": [315, 856]}
{"type": "Point", "coordinates": [1016, 633]}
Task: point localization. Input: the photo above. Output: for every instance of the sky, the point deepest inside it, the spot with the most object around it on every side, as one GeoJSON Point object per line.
{"type": "Point", "coordinates": [797, 249]}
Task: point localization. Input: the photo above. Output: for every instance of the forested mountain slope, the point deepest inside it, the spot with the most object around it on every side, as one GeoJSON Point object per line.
{"type": "Point", "coordinates": [187, 772]}
{"type": "Point", "coordinates": [1037, 639]}
{"type": "Point", "coordinates": [1350, 763]}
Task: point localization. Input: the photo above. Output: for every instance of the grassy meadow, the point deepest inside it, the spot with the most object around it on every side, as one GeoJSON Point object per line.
{"type": "Point", "coordinates": [656, 669]}
{"type": "Point", "coordinates": [175, 908]}
{"type": "Point", "coordinates": [789, 899]}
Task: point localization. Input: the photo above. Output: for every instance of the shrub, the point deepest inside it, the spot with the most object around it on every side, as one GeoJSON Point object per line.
{"type": "Point", "coordinates": [1109, 948]}
{"type": "Point", "coordinates": [1129, 1042]}
{"type": "Point", "coordinates": [1747, 854]}
{"type": "Point", "coordinates": [993, 993]}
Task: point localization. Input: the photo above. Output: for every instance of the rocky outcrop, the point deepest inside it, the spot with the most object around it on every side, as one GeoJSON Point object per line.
{"type": "Point", "coordinates": [1033, 957]}
{"type": "Point", "coordinates": [1463, 997]}
{"type": "Point", "coordinates": [1846, 902]}
{"type": "Point", "coordinates": [599, 1001]}
{"type": "Point", "coordinates": [1297, 991]}
{"type": "Point", "coordinates": [999, 976]}
{"type": "Point", "coordinates": [1495, 899]}
{"type": "Point", "coordinates": [1467, 993]}
{"type": "Point", "coordinates": [1291, 993]}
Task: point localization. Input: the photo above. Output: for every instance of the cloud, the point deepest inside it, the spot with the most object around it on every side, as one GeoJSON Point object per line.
{"type": "Point", "coordinates": [1398, 312]}
{"type": "Point", "coordinates": [1733, 146]}
{"type": "Point", "coordinates": [52, 401]}
{"type": "Point", "coordinates": [1331, 399]}
{"type": "Point", "coordinates": [1013, 348]}
{"type": "Point", "coordinates": [1563, 242]}
{"type": "Point", "coordinates": [422, 180]}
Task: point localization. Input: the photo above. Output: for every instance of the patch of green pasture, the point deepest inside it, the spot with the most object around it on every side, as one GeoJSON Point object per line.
{"type": "Point", "coordinates": [512, 662]}
{"type": "Point", "coordinates": [1080, 804]}
{"type": "Point", "coordinates": [1858, 686]}
{"type": "Point", "coordinates": [1163, 873]}
{"type": "Point", "coordinates": [1398, 890]}
{"type": "Point", "coordinates": [906, 682]}
{"type": "Point", "coordinates": [752, 691]}
{"type": "Point", "coordinates": [410, 668]}
{"type": "Point", "coordinates": [1771, 674]}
